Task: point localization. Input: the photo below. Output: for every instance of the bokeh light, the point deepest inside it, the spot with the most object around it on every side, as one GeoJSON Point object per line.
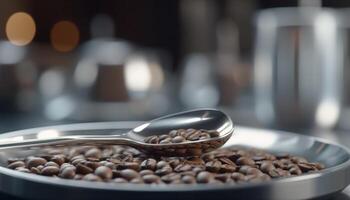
{"type": "Point", "coordinates": [64, 36]}
{"type": "Point", "coordinates": [20, 28]}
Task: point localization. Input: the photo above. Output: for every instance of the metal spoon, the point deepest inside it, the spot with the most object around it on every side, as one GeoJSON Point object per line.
{"type": "Point", "coordinates": [208, 119]}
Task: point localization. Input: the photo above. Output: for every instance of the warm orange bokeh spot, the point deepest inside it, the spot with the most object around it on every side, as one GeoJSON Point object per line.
{"type": "Point", "coordinates": [20, 28]}
{"type": "Point", "coordinates": [64, 36]}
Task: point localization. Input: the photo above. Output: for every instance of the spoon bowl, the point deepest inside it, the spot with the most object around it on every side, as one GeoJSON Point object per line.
{"type": "Point", "coordinates": [208, 119]}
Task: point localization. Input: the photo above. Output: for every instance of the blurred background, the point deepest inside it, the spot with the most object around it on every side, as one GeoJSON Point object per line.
{"type": "Point", "coordinates": [273, 64]}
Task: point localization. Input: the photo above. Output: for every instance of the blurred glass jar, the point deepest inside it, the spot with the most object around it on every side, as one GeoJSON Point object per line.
{"type": "Point", "coordinates": [298, 67]}
{"type": "Point", "coordinates": [114, 80]}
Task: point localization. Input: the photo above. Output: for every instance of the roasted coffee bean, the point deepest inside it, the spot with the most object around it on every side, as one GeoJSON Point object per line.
{"type": "Point", "coordinates": [227, 168]}
{"type": "Point", "coordinates": [295, 171]}
{"type": "Point", "coordinates": [137, 181]}
{"type": "Point", "coordinates": [204, 177]}
{"type": "Point", "coordinates": [78, 161]}
{"type": "Point", "coordinates": [305, 167]}
{"type": "Point", "coordinates": [16, 164]}
{"type": "Point", "coordinates": [178, 139]}
{"type": "Point", "coordinates": [146, 172]}
{"type": "Point", "coordinates": [51, 164]}
{"type": "Point", "coordinates": [22, 169]}
{"type": "Point", "coordinates": [35, 161]}
{"type": "Point", "coordinates": [213, 166]}
{"type": "Point", "coordinates": [194, 136]}
{"type": "Point", "coordinates": [91, 177]}
{"type": "Point", "coordinates": [58, 159]}
{"type": "Point", "coordinates": [188, 179]}
{"type": "Point", "coordinates": [161, 164]}
{"type": "Point", "coordinates": [267, 166]}
{"type": "Point", "coordinates": [213, 133]}
{"type": "Point", "coordinates": [182, 167]}
{"type": "Point", "coordinates": [164, 171]}
{"type": "Point", "coordinates": [166, 141]}
{"type": "Point", "coordinates": [129, 174]}
{"type": "Point", "coordinates": [245, 161]}
{"type": "Point", "coordinates": [119, 180]}
{"type": "Point", "coordinates": [12, 160]}
{"type": "Point", "coordinates": [171, 177]}
{"type": "Point", "coordinates": [104, 172]}
{"type": "Point", "coordinates": [181, 135]}
{"type": "Point", "coordinates": [67, 172]}
{"type": "Point", "coordinates": [236, 176]}
{"type": "Point", "coordinates": [173, 133]}
{"type": "Point", "coordinates": [152, 139]}
{"type": "Point", "coordinates": [94, 165]}
{"type": "Point", "coordinates": [122, 164]}
{"type": "Point", "coordinates": [151, 178]}
{"type": "Point", "coordinates": [50, 171]}
{"type": "Point", "coordinates": [164, 136]}
{"type": "Point", "coordinates": [149, 164]}
{"type": "Point", "coordinates": [82, 169]}
{"type": "Point", "coordinates": [35, 170]}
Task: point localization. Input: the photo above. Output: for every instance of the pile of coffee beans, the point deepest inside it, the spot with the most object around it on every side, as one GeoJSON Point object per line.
{"type": "Point", "coordinates": [122, 164]}
{"type": "Point", "coordinates": [182, 135]}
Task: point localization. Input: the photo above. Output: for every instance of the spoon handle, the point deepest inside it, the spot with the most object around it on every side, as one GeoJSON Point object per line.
{"type": "Point", "coordinates": [120, 139]}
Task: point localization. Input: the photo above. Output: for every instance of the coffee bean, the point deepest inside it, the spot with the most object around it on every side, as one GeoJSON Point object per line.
{"type": "Point", "coordinates": [164, 136]}
{"type": "Point", "coordinates": [151, 178]}
{"type": "Point", "coordinates": [223, 177]}
{"type": "Point", "coordinates": [171, 177]}
{"type": "Point", "coordinates": [188, 179]}
{"type": "Point", "coordinates": [78, 177]}
{"type": "Point", "coordinates": [12, 160]}
{"type": "Point", "coordinates": [213, 166]}
{"type": "Point", "coordinates": [149, 164]}
{"type": "Point", "coordinates": [213, 133]}
{"type": "Point", "coordinates": [35, 161]}
{"type": "Point", "coordinates": [245, 161]}
{"type": "Point", "coordinates": [146, 172]}
{"type": "Point", "coordinates": [305, 167]}
{"type": "Point", "coordinates": [236, 176]}
{"type": "Point", "coordinates": [119, 180]}
{"type": "Point", "coordinates": [58, 159]}
{"type": "Point", "coordinates": [163, 171]}
{"type": "Point", "coordinates": [35, 170]}
{"type": "Point", "coordinates": [152, 140]}
{"type": "Point", "coordinates": [16, 164]}
{"type": "Point", "coordinates": [295, 171]}
{"type": "Point", "coordinates": [129, 174]}
{"type": "Point", "coordinates": [51, 164]}
{"type": "Point", "coordinates": [178, 139]}
{"type": "Point", "coordinates": [227, 168]}
{"type": "Point", "coordinates": [22, 169]}
{"type": "Point", "coordinates": [137, 181]}
{"type": "Point", "coordinates": [91, 177]}
{"type": "Point", "coordinates": [50, 171]}
{"type": "Point", "coordinates": [104, 172]}
{"type": "Point", "coordinates": [166, 141]}
{"type": "Point", "coordinates": [122, 164]}
{"type": "Point", "coordinates": [68, 172]}
{"type": "Point", "coordinates": [204, 177]}
{"type": "Point", "coordinates": [182, 167]}
{"type": "Point", "coordinates": [194, 136]}
{"type": "Point", "coordinates": [82, 169]}
{"type": "Point", "coordinates": [267, 166]}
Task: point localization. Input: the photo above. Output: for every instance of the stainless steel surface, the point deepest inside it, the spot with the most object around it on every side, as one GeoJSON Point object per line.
{"type": "Point", "coordinates": [322, 184]}
{"type": "Point", "coordinates": [208, 119]}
